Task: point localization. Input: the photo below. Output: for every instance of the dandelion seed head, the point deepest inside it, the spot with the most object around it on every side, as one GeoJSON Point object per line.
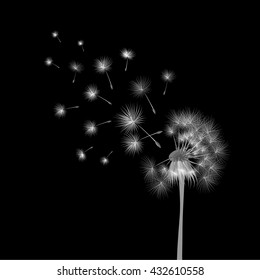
{"type": "Point", "coordinates": [91, 92]}
{"type": "Point", "coordinates": [80, 43]}
{"type": "Point", "coordinates": [199, 151]}
{"type": "Point", "coordinates": [81, 155]}
{"type": "Point", "coordinates": [76, 67]}
{"type": "Point", "coordinates": [104, 160]}
{"type": "Point", "coordinates": [48, 61]}
{"type": "Point", "coordinates": [140, 86]}
{"type": "Point", "coordinates": [159, 186]}
{"type": "Point", "coordinates": [55, 34]}
{"type": "Point", "coordinates": [90, 128]}
{"type": "Point", "coordinates": [127, 54]}
{"type": "Point", "coordinates": [132, 144]}
{"type": "Point", "coordinates": [130, 118]}
{"type": "Point", "coordinates": [168, 76]}
{"type": "Point", "coordinates": [103, 64]}
{"type": "Point", "coordinates": [60, 110]}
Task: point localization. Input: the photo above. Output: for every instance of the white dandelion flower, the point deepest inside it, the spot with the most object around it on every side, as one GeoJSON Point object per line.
{"type": "Point", "coordinates": [49, 61]}
{"type": "Point", "coordinates": [168, 77]}
{"type": "Point", "coordinates": [76, 68]}
{"type": "Point", "coordinates": [103, 65]}
{"type": "Point", "coordinates": [55, 34]}
{"type": "Point", "coordinates": [92, 93]}
{"type": "Point", "coordinates": [105, 160]}
{"type": "Point", "coordinates": [196, 158]}
{"type": "Point", "coordinates": [127, 54]}
{"type": "Point", "coordinates": [81, 44]}
{"type": "Point", "coordinates": [81, 154]}
{"type": "Point", "coordinates": [61, 110]}
{"type": "Point", "coordinates": [140, 88]}
{"type": "Point", "coordinates": [91, 127]}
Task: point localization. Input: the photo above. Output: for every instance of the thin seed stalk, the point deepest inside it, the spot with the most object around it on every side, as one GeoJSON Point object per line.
{"type": "Point", "coordinates": [111, 86]}
{"type": "Point", "coordinates": [180, 231]}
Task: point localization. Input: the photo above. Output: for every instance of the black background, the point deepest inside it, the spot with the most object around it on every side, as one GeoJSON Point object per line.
{"type": "Point", "coordinates": [55, 207]}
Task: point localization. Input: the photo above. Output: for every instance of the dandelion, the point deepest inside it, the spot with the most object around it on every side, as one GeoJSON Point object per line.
{"type": "Point", "coordinates": [91, 127]}
{"type": "Point", "coordinates": [103, 65]}
{"type": "Point", "coordinates": [131, 119]}
{"type": "Point", "coordinates": [81, 154]}
{"type": "Point", "coordinates": [133, 143]}
{"type": "Point", "coordinates": [140, 88]}
{"type": "Point", "coordinates": [92, 93]}
{"type": "Point", "coordinates": [81, 44]}
{"type": "Point", "coordinates": [49, 61]}
{"type": "Point", "coordinates": [76, 68]}
{"type": "Point", "coordinates": [196, 159]}
{"type": "Point", "coordinates": [168, 77]}
{"type": "Point", "coordinates": [55, 34]}
{"type": "Point", "coordinates": [61, 110]}
{"type": "Point", "coordinates": [105, 160]}
{"type": "Point", "coordinates": [127, 55]}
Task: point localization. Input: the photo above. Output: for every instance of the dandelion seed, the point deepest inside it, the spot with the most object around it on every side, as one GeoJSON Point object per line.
{"type": "Point", "coordinates": [140, 88]}
{"type": "Point", "coordinates": [81, 154]}
{"type": "Point", "coordinates": [194, 159]}
{"type": "Point", "coordinates": [80, 44]}
{"type": "Point", "coordinates": [133, 143]}
{"type": "Point", "coordinates": [127, 55]}
{"type": "Point", "coordinates": [77, 68]}
{"type": "Point", "coordinates": [131, 119]}
{"type": "Point", "coordinates": [105, 160]}
{"type": "Point", "coordinates": [92, 93]}
{"type": "Point", "coordinates": [103, 65]}
{"type": "Point", "coordinates": [168, 77]}
{"type": "Point", "coordinates": [49, 62]}
{"type": "Point", "coordinates": [61, 110]}
{"type": "Point", "coordinates": [91, 127]}
{"type": "Point", "coordinates": [55, 34]}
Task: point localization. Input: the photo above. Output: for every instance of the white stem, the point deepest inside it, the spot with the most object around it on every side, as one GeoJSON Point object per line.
{"type": "Point", "coordinates": [56, 65]}
{"type": "Point", "coordinates": [126, 64]}
{"type": "Point", "coordinates": [82, 48]}
{"type": "Point", "coordinates": [58, 39]}
{"type": "Point", "coordinates": [73, 81]}
{"type": "Point", "coordinates": [105, 100]}
{"type": "Point", "coordinates": [109, 154]}
{"type": "Point", "coordinates": [150, 104]}
{"type": "Point", "coordinates": [180, 231]}
{"type": "Point", "coordinates": [74, 107]}
{"type": "Point", "coordinates": [165, 88]}
{"type": "Point", "coordinates": [89, 149]}
{"type": "Point", "coordinates": [104, 123]}
{"type": "Point", "coordinates": [111, 86]}
{"type": "Point", "coordinates": [158, 132]}
{"type": "Point", "coordinates": [162, 162]}
{"type": "Point", "coordinates": [156, 143]}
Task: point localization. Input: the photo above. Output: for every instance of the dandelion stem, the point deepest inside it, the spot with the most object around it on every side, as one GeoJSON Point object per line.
{"type": "Point", "coordinates": [165, 88]}
{"type": "Point", "coordinates": [104, 123]}
{"type": "Point", "coordinates": [150, 104]}
{"type": "Point", "coordinates": [109, 154]}
{"type": "Point", "coordinates": [180, 231]}
{"type": "Point", "coordinates": [162, 162]}
{"type": "Point", "coordinates": [82, 48]}
{"type": "Point", "coordinates": [73, 81]}
{"type": "Point", "coordinates": [156, 143]}
{"type": "Point", "coordinates": [158, 132]}
{"type": "Point", "coordinates": [74, 107]}
{"type": "Point", "coordinates": [55, 65]}
{"type": "Point", "coordinates": [111, 86]}
{"type": "Point", "coordinates": [89, 149]}
{"type": "Point", "coordinates": [58, 39]}
{"type": "Point", "coordinates": [126, 64]}
{"type": "Point", "coordinates": [105, 100]}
